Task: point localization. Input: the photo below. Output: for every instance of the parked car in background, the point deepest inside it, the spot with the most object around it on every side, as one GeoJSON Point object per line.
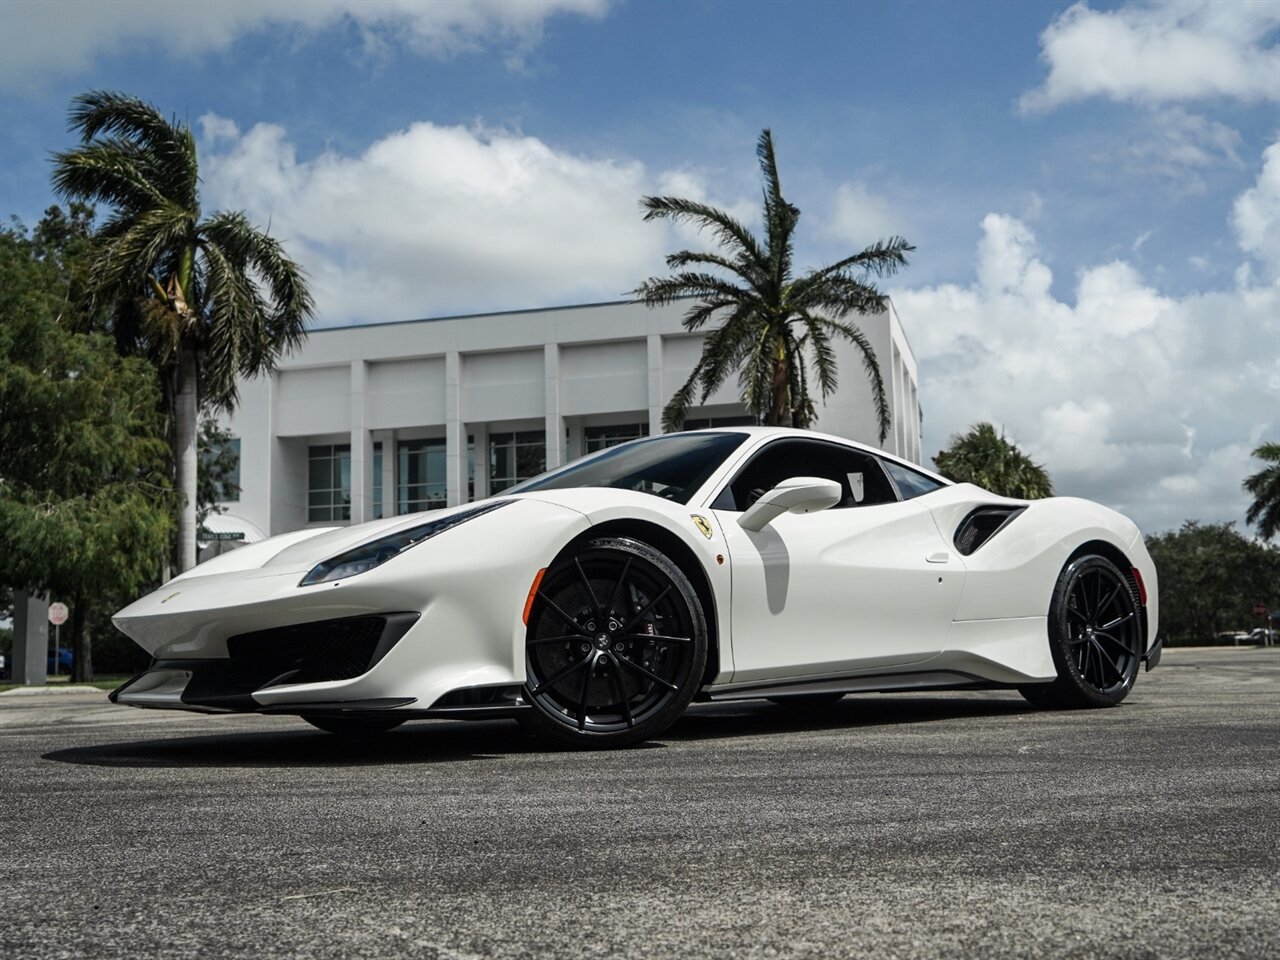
{"type": "Point", "coordinates": [1262, 635]}
{"type": "Point", "coordinates": [61, 663]}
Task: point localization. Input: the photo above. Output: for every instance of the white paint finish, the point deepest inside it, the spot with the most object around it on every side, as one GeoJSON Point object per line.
{"type": "Point", "coordinates": [510, 384]}
{"type": "Point", "coordinates": [361, 447]}
{"type": "Point", "coordinates": [406, 393]}
{"type": "Point", "coordinates": [601, 377]}
{"type": "Point", "coordinates": [313, 401]}
{"type": "Point", "coordinates": [894, 606]}
{"type": "Point", "coordinates": [845, 591]}
{"type": "Point", "coordinates": [455, 440]}
{"type": "Point", "coordinates": [615, 359]}
{"type": "Point", "coordinates": [554, 429]}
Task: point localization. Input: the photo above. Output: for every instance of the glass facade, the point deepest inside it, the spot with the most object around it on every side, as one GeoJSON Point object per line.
{"type": "Point", "coordinates": [377, 481]}
{"type": "Point", "coordinates": [598, 438]}
{"type": "Point", "coordinates": [706, 422]}
{"type": "Point", "coordinates": [515, 457]}
{"type": "Point", "coordinates": [329, 483]}
{"type": "Point", "coordinates": [420, 481]}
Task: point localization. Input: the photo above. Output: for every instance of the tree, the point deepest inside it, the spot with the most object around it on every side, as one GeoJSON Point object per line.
{"type": "Point", "coordinates": [985, 458]}
{"type": "Point", "coordinates": [218, 462]}
{"type": "Point", "coordinates": [1211, 577]}
{"type": "Point", "coordinates": [775, 327]}
{"type": "Point", "coordinates": [206, 300]}
{"type": "Point", "coordinates": [1264, 485]}
{"type": "Point", "coordinates": [85, 499]}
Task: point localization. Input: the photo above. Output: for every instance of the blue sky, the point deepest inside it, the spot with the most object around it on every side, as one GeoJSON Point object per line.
{"type": "Point", "coordinates": [1094, 190]}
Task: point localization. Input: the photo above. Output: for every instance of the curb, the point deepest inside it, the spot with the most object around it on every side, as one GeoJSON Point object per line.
{"type": "Point", "coordinates": [50, 688]}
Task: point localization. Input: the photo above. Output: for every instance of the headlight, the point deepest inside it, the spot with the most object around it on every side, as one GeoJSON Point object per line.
{"type": "Point", "coordinates": [377, 552]}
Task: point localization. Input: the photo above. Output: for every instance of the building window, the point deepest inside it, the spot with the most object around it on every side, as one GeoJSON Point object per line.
{"type": "Point", "coordinates": [377, 481]}
{"type": "Point", "coordinates": [221, 462]}
{"type": "Point", "coordinates": [421, 484]}
{"type": "Point", "coordinates": [515, 457]}
{"type": "Point", "coordinates": [597, 438]}
{"type": "Point", "coordinates": [706, 422]}
{"type": "Point", "coordinates": [329, 483]}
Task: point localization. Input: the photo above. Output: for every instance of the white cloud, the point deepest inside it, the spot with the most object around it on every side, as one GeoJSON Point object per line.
{"type": "Point", "coordinates": [1159, 52]}
{"type": "Point", "coordinates": [1176, 146]}
{"type": "Point", "coordinates": [859, 217]}
{"type": "Point", "coordinates": [1256, 214]}
{"type": "Point", "coordinates": [435, 220]}
{"type": "Point", "coordinates": [42, 37]}
{"type": "Point", "coordinates": [1105, 390]}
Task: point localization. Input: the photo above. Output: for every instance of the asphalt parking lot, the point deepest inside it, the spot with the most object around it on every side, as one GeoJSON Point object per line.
{"type": "Point", "coordinates": [957, 825]}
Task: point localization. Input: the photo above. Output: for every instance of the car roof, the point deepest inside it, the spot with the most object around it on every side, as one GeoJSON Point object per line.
{"type": "Point", "coordinates": [775, 432]}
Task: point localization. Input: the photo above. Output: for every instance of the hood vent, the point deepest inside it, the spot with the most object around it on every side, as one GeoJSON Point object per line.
{"type": "Point", "coordinates": [981, 525]}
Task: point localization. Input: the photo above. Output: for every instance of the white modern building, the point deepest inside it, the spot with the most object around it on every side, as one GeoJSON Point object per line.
{"type": "Point", "coordinates": [380, 419]}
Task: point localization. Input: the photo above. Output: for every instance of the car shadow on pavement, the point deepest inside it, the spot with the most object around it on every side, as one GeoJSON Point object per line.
{"type": "Point", "coordinates": [760, 718]}
{"type": "Point", "coordinates": [456, 741]}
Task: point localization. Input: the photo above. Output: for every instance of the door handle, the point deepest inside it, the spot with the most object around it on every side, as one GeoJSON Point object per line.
{"type": "Point", "coordinates": [940, 557]}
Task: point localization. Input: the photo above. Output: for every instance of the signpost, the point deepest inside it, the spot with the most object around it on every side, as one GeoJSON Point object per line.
{"type": "Point", "coordinates": [57, 616]}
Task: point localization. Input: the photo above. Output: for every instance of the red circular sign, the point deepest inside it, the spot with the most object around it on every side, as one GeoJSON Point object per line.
{"type": "Point", "coordinates": [1259, 609]}
{"type": "Point", "coordinates": [57, 614]}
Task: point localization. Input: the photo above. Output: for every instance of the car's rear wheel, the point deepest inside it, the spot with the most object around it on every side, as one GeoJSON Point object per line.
{"type": "Point", "coordinates": [1095, 636]}
{"type": "Point", "coordinates": [352, 726]}
{"type": "Point", "coordinates": [615, 648]}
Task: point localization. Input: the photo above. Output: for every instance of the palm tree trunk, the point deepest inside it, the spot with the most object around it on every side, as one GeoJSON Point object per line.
{"type": "Point", "coordinates": [184, 455]}
{"type": "Point", "coordinates": [780, 412]}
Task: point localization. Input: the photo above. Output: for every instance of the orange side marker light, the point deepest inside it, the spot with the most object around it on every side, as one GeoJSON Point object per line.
{"type": "Point", "coordinates": [533, 593]}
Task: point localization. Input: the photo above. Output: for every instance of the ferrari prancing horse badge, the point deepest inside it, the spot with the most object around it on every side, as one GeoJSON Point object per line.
{"type": "Point", "coordinates": [703, 524]}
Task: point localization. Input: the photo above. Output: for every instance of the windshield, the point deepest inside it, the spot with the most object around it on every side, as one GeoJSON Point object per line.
{"type": "Point", "coordinates": [673, 467]}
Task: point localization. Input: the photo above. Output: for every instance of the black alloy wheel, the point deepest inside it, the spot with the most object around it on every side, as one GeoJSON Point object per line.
{"type": "Point", "coordinates": [1095, 635]}
{"type": "Point", "coordinates": [615, 648]}
{"type": "Point", "coordinates": [352, 726]}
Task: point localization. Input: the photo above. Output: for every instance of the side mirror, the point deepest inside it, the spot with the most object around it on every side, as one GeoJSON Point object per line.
{"type": "Point", "coordinates": [796, 495]}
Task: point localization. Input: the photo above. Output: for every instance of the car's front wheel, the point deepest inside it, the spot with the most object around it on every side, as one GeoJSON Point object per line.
{"type": "Point", "coordinates": [1095, 636]}
{"type": "Point", "coordinates": [616, 645]}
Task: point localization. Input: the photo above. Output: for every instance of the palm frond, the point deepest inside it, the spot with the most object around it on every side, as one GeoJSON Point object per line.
{"type": "Point", "coordinates": [727, 230]}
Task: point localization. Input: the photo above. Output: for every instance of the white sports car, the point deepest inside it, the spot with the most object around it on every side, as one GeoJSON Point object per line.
{"type": "Point", "coordinates": [595, 602]}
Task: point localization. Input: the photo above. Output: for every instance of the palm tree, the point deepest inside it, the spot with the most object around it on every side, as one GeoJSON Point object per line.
{"type": "Point", "coordinates": [206, 299]}
{"type": "Point", "coordinates": [985, 458]}
{"type": "Point", "coordinates": [776, 326]}
{"type": "Point", "coordinates": [1264, 512]}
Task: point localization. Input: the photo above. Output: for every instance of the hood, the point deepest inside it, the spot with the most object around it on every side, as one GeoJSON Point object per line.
{"type": "Point", "coordinates": [303, 549]}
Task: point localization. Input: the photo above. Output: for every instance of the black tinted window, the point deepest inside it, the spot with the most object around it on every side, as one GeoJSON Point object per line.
{"type": "Point", "coordinates": [861, 480]}
{"type": "Point", "coordinates": [911, 483]}
{"type": "Point", "coordinates": [672, 466]}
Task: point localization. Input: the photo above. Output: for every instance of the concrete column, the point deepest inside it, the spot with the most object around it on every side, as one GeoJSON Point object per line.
{"type": "Point", "coordinates": [389, 461]}
{"type": "Point", "coordinates": [577, 439]}
{"type": "Point", "coordinates": [555, 423]}
{"type": "Point", "coordinates": [361, 447]}
{"type": "Point", "coordinates": [656, 398]}
{"type": "Point", "coordinates": [30, 639]}
{"type": "Point", "coordinates": [480, 437]}
{"type": "Point", "coordinates": [455, 436]}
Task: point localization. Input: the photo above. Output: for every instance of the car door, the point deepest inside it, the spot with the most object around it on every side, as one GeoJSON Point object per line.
{"type": "Point", "coordinates": [865, 585]}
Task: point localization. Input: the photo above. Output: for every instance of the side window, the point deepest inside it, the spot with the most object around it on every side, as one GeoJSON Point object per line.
{"type": "Point", "coordinates": [860, 476]}
{"type": "Point", "coordinates": [910, 483]}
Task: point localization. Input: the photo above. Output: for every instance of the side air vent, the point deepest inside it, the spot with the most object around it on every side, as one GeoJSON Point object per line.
{"type": "Point", "coordinates": [981, 525]}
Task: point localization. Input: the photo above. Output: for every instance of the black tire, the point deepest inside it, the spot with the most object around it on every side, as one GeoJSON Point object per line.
{"type": "Point", "coordinates": [808, 699]}
{"type": "Point", "coordinates": [1095, 635]}
{"type": "Point", "coordinates": [352, 726]}
{"type": "Point", "coordinates": [615, 647]}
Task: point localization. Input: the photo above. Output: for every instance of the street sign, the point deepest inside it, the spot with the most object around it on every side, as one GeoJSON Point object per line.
{"type": "Point", "coordinates": [57, 614]}
{"type": "Point", "coordinates": [1259, 609]}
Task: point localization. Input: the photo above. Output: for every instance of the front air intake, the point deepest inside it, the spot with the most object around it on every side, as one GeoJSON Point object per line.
{"type": "Point", "coordinates": [981, 525]}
